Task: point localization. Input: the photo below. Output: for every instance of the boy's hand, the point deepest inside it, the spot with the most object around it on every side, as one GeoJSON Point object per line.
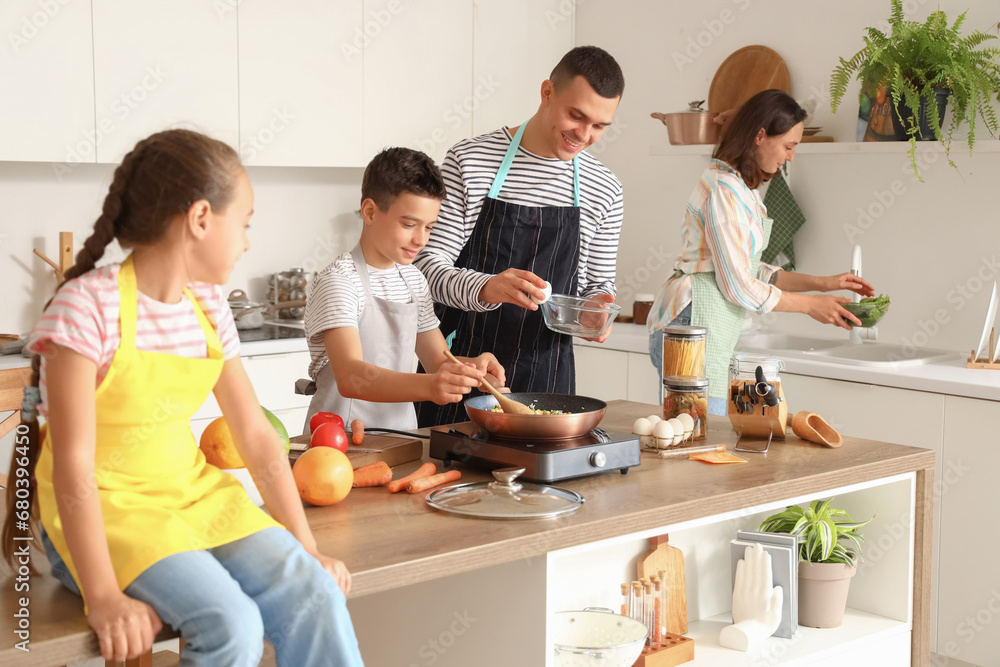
{"type": "Point", "coordinates": [452, 381]}
{"type": "Point", "coordinates": [487, 363]}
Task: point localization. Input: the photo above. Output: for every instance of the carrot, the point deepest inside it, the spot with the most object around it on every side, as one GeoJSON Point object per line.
{"type": "Point", "coordinates": [375, 474]}
{"type": "Point", "coordinates": [357, 431]}
{"type": "Point", "coordinates": [424, 483]}
{"type": "Point", "coordinates": [397, 485]}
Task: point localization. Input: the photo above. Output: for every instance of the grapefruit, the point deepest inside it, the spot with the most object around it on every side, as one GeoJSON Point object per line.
{"type": "Point", "coordinates": [323, 476]}
{"type": "Point", "coordinates": [219, 449]}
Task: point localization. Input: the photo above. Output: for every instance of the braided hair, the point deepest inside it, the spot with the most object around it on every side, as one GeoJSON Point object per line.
{"type": "Point", "coordinates": [159, 179]}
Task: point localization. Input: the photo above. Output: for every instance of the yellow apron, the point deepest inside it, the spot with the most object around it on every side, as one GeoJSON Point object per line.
{"type": "Point", "coordinates": [158, 495]}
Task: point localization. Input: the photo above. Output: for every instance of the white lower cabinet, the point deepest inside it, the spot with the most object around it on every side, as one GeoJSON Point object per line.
{"type": "Point", "coordinates": [876, 628]}
{"type": "Point", "coordinates": [600, 373]}
{"type": "Point", "coordinates": [615, 374]}
{"type": "Point", "coordinates": [273, 378]}
{"type": "Point", "coordinates": [968, 599]}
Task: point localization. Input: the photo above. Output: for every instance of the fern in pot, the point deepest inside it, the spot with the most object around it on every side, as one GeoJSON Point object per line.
{"type": "Point", "coordinates": [829, 549]}
{"type": "Point", "coordinates": [927, 66]}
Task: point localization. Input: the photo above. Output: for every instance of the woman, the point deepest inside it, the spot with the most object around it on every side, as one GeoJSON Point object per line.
{"type": "Point", "coordinates": [719, 275]}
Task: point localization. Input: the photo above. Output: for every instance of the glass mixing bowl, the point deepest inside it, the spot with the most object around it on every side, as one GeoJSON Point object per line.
{"type": "Point", "coordinates": [578, 316]}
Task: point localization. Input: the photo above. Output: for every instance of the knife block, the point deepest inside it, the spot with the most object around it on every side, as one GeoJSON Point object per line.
{"type": "Point", "coordinates": [673, 650]}
{"type": "Point", "coordinates": [762, 421]}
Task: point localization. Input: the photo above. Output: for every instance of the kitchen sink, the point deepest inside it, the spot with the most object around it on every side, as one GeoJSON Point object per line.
{"type": "Point", "coordinates": [881, 355]}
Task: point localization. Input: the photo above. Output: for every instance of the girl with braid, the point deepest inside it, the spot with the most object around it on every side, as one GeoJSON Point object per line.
{"type": "Point", "coordinates": [133, 518]}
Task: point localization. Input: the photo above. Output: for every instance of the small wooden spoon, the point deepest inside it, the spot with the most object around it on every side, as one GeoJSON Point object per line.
{"type": "Point", "coordinates": [508, 405]}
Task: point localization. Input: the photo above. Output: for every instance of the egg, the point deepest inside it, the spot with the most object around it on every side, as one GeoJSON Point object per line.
{"type": "Point", "coordinates": [687, 420]}
{"type": "Point", "coordinates": [642, 426]}
{"type": "Point", "coordinates": [664, 434]}
{"type": "Point", "coordinates": [546, 291]}
{"type": "Point", "coordinates": [653, 419]}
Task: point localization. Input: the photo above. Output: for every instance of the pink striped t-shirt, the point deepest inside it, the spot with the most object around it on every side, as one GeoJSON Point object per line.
{"type": "Point", "coordinates": [84, 314]}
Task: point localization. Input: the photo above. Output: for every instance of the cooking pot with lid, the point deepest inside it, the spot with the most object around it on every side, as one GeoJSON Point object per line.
{"type": "Point", "coordinates": [694, 125]}
{"type": "Point", "coordinates": [251, 314]}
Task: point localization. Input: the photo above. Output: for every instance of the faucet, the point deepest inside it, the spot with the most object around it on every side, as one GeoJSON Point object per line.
{"type": "Point", "coordinates": [860, 334]}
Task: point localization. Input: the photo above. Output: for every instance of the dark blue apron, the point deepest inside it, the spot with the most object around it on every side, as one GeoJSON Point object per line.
{"type": "Point", "coordinates": [542, 239]}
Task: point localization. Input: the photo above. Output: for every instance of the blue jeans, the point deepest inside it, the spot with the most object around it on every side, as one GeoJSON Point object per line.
{"type": "Point", "coordinates": [224, 601]}
{"type": "Point", "coordinates": [716, 406]}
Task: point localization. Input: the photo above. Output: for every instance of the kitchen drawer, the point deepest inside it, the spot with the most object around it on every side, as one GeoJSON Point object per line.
{"type": "Point", "coordinates": [601, 374]}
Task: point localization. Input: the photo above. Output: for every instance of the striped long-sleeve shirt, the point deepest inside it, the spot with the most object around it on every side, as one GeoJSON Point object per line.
{"type": "Point", "coordinates": [469, 169]}
{"type": "Point", "coordinates": [722, 230]}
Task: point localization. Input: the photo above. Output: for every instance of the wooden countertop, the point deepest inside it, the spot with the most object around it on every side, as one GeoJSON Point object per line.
{"type": "Point", "coordinates": [392, 540]}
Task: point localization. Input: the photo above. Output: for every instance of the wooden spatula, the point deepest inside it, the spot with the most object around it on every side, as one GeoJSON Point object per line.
{"type": "Point", "coordinates": [508, 405]}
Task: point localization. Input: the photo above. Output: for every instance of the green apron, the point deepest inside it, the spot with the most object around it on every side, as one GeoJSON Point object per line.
{"type": "Point", "coordinates": [722, 318]}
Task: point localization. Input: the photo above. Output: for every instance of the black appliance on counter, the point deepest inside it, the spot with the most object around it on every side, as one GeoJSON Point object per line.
{"type": "Point", "coordinates": [542, 460]}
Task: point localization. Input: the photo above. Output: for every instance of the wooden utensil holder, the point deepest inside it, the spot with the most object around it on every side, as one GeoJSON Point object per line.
{"type": "Point", "coordinates": [762, 421]}
{"type": "Point", "coordinates": [973, 362]}
{"type": "Point", "coordinates": [673, 650]}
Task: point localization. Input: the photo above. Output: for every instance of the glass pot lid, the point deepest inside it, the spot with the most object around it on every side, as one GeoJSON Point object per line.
{"type": "Point", "coordinates": [505, 498]}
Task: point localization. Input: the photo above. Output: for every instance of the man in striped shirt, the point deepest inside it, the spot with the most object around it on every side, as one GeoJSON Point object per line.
{"type": "Point", "coordinates": [527, 205]}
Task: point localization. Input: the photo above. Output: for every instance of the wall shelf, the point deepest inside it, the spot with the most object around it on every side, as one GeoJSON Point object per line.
{"type": "Point", "coordinates": [958, 148]}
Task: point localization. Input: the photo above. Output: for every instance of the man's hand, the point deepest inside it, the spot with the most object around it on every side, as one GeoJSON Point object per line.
{"type": "Point", "coordinates": [513, 286]}
{"type": "Point", "coordinates": [597, 320]}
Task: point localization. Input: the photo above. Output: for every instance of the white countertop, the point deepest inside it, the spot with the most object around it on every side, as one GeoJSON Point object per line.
{"type": "Point", "coordinates": [255, 348]}
{"type": "Point", "coordinates": [952, 378]}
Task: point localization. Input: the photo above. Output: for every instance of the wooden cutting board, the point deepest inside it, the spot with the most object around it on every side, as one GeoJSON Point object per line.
{"type": "Point", "coordinates": [391, 449]}
{"type": "Point", "coordinates": [744, 74]}
{"type": "Point", "coordinates": [662, 556]}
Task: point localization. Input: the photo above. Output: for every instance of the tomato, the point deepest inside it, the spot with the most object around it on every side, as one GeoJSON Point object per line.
{"type": "Point", "coordinates": [323, 418]}
{"type": "Point", "coordinates": [329, 434]}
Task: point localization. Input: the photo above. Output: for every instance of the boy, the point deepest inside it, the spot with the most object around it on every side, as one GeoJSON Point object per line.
{"type": "Point", "coordinates": [370, 310]}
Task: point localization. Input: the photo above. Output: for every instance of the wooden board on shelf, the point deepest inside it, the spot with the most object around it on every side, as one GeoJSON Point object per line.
{"type": "Point", "coordinates": [662, 556]}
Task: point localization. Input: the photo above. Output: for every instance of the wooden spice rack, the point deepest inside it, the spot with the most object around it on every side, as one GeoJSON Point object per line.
{"type": "Point", "coordinates": [973, 362]}
{"type": "Point", "coordinates": [673, 650]}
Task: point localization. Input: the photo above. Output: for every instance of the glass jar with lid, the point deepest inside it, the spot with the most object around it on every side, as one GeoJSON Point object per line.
{"type": "Point", "coordinates": [687, 394]}
{"type": "Point", "coordinates": [743, 371]}
{"type": "Point", "coordinates": [683, 350]}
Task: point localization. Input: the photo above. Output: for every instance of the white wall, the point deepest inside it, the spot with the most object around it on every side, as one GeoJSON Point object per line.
{"type": "Point", "coordinates": [936, 236]}
{"type": "Point", "coordinates": [304, 217]}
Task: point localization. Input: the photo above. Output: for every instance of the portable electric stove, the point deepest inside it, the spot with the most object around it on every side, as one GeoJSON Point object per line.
{"type": "Point", "coordinates": [542, 460]}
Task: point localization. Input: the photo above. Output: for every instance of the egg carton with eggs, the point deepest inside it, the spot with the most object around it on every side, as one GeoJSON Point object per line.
{"type": "Point", "coordinates": [657, 433]}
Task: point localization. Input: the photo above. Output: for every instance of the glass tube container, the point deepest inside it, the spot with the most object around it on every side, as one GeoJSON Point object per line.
{"type": "Point", "coordinates": [625, 600]}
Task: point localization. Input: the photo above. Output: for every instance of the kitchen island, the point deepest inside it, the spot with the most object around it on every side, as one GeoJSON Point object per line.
{"type": "Point", "coordinates": [431, 588]}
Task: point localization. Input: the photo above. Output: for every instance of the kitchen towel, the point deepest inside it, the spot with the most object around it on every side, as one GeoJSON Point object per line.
{"type": "Point", "coordinates": [787, 216]}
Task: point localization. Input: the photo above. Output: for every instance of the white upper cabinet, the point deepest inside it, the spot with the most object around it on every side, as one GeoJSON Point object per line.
{"type": "Point", "coordinates": [160, 65]}
{"type": "Point", "coordinates": [47, 83]}
{"type": "Point", "coordinates": [418, 75]}
{"type": "Point", "coordinates": [517, 43]}
{"type": "Point", "coordinates": [301, 83]}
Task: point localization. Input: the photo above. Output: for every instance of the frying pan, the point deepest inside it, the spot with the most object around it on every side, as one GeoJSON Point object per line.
{"type": "Point", "coordinates": [585, 414]}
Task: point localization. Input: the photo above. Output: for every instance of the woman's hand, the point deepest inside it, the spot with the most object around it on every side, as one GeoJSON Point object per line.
{"type": "Point", "coordinates": [125, 627]}
{"type": "Point", "coordinates": [337, 570]}
{"type": "Point", "coordinates": [846, 281]}
{"type": "Point", "coordinates": [827, 309]}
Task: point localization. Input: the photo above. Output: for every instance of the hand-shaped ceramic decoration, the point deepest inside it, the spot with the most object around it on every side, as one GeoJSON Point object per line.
{"type": "Point", "coordinates": [756, 605]}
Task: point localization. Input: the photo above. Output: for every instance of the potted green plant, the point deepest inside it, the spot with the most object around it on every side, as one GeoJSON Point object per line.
{"type": "Point", "coordinates": [829, 548]}
{"type": "Point", "coordinates": [921, 62]}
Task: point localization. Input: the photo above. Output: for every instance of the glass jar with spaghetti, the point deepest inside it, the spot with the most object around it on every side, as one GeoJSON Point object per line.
{"type": "Point", "coordinates": [687, 394]}
{"type": "Point", "coordinates": [683, 350]}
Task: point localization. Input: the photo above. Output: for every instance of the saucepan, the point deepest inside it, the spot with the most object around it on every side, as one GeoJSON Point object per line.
{"type": "Point", "coordinates": [251, 314]}
{"type": "Point", "coordinates": [581, 415]}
